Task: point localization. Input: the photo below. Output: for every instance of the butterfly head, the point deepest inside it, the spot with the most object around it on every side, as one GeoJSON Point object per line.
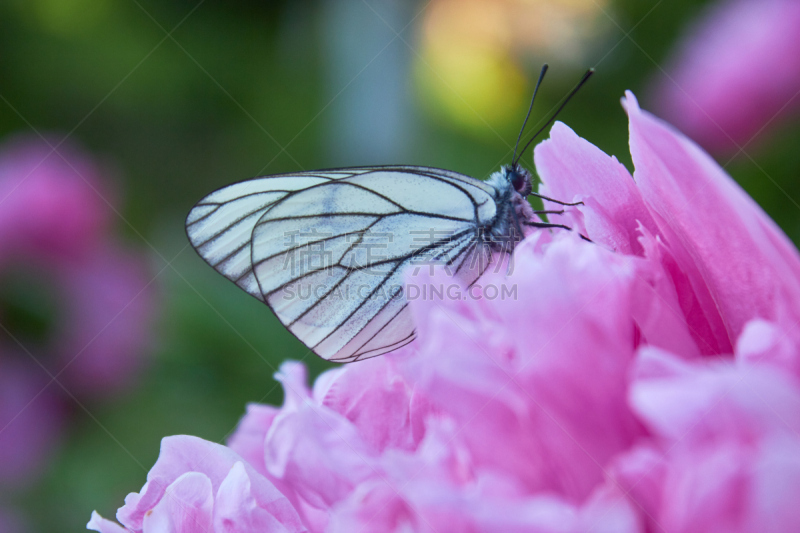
{"type": "Point", "coordinates": [519, 178]}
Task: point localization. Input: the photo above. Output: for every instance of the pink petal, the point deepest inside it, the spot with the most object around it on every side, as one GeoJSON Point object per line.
{"type": "Point", "coordinates": [707, 490]}
{"type": "Point", "coordinates": [137, 505]}
{"type": "Point", "coordinates": [426, 504]}
{"type": "Point", "coordinates": [573, 358]}
{"type": "Point", "coordinates": [572, 169]}
{"type": "Point", "coordinates": [248, 439]}
{"type": "Point", "coordinates": [738, 262]}
{"type": "Point", "coordinates": [310, 452]}
{"type": "Point", "coordinates": [235, 509]}
{"type": "Point", "coordinates": [725, 456]}
{"type": "Point", "coordinates": [641, 472]}
{"type": "Point", "coordinates": [378, 401]}
{"type": "Point", "coordinates": [183, 454]}
{"type": "Point", "coordinates": [313, 449]}
{"type": "Point", "coordinates": [293, 377]}
{"type": "Point", "coordinates": [538, 386]}
{"type": "Point", "coordinates": [763, 342]}
{"type": "Point", "coordinates": [698, 402]}
{"type": "Point", "coordinates": [656, 306]}
{"type": "Point", "coordinates": [98, 523]}
{"type": "Point", "coordinates": [614, 214]}
{"type": "Point", "coordinates": [608, 510]}
{"type": "Point", "coordinates": [776, 488]}
{"type": "Point", "coordinates": [185, 508]}
{"type": "Point", "coordinates": [730, 486]}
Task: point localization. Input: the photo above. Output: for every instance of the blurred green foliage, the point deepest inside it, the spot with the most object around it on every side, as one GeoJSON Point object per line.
{"type": "Point", "coordinates": [182, 97]}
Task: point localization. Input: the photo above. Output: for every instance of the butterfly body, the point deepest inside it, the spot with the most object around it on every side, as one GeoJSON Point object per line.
{"type": "Point", "coordinates": [512, 184]}
{"type": "Point", "coordinates": [329, 251]}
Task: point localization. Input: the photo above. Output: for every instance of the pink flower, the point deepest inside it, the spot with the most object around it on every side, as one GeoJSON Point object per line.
{"type": "Point", "coordinates": [736, 72]}
{"type": "Point", "coordinates": [645, 381]}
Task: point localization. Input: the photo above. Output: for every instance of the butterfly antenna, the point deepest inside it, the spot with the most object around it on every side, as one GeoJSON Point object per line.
{"type": "Point", "coordinates": [584, 79]}
{"type": "Point", "coordinates": [525, 122]}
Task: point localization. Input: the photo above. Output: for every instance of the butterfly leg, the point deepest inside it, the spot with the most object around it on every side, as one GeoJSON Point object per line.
{"type": "Point", "coordinates": [519, 234]}
{"type": "Point", "coordinates": [549, 225]}
{"type": "Point", "coordinates": [559, 202]}
{"type": "Point", "coordinates": [546, 225]}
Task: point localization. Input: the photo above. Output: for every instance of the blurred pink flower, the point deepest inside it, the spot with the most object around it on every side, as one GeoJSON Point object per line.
{"type": "Point", "coordinates": [105, 337]}
{"type": "Point", "coordinates": [59, 262]}
{"type": "Point", "coordinates": [603, 395]}
{"type": "Point", "coordinates": [736, 71]}
{"type": "Point", "coordinates": [51, 203]}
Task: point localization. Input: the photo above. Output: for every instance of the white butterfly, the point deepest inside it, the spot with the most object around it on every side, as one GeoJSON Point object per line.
{"type": "Point", "coordinates": [328, 251]}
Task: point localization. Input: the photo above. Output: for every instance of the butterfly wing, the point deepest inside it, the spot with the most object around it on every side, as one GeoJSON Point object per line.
{"type": "Point", "coordinates": [220, 226]}
{"type": "Point", "coordinates": [328, 251]}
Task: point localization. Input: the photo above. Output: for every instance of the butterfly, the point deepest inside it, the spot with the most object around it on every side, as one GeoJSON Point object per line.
{"type": "Point", "coordinates": [328, 250]}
